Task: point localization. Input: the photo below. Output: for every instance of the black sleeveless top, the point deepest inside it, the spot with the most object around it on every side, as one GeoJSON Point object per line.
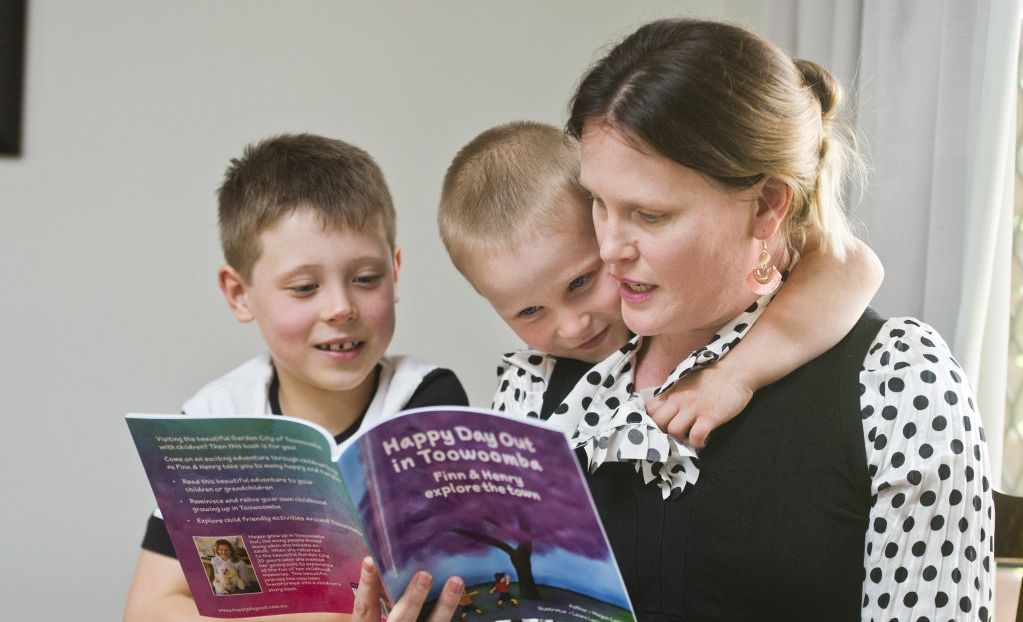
{"type": "Point", "coordinates": [774, 528]}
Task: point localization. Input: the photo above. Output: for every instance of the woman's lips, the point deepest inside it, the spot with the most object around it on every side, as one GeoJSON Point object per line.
{"type": "Point", "coordinates": [634, 291]}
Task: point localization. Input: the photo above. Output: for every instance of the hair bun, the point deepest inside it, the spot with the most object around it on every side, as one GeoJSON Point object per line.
{"type": "Point", "coordinates": [824, 86]}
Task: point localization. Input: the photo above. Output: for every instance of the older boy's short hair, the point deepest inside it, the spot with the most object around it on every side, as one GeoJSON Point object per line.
{"type": "Point", "coordinates": [284, 173]}
{"type": "Point", "coordinates": [511, 181]}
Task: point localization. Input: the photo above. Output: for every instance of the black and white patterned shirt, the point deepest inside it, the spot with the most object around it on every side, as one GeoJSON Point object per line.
{"type": "Point", "coordinates": [928, 549]}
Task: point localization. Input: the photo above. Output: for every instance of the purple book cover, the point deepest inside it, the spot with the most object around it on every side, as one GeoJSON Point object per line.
{"type": "Point", "coordinates": [498, 501]}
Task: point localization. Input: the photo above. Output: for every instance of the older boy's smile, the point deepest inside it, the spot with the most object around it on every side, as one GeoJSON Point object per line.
{"type": "Point", "coordinates": [344, 346]}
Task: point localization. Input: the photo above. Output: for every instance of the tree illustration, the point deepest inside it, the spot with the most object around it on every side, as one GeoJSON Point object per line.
{"type": "Point", "coordinates": [474, 523]}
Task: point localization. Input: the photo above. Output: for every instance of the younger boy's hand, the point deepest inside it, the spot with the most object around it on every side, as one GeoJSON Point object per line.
{"type": "Point", "coordinates": [699, 403]}
{"type": "Point", "coordinates": [367, 597]}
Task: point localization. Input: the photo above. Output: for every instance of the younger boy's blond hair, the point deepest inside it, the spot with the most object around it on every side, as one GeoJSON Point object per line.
{"type": "Point", "coordinates": [510, 182]}
{"type": "Point", "coordinates": [276, 176]}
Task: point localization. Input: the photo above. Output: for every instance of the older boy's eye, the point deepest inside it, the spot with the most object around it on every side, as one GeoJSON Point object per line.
{"type": "Point", "coordinates": [650, 218]}
{"type": "Point", "coordinates": [529, 311]}
{"type": "Point", "coordinates": [308, 288]}
{"type": "Point", "coordinates": [579, 281]}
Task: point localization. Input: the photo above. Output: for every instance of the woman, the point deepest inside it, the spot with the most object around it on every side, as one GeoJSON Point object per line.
{"type": "Point", "coordinates": [855, 487]}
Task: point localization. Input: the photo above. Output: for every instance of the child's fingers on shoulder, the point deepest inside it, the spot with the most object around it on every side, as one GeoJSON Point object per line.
{"type": "Point", "coordinates": [679, 425]}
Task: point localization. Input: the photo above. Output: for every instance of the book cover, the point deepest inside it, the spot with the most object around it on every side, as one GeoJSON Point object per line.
{"type": "Point", "coordinates": [500, 502]}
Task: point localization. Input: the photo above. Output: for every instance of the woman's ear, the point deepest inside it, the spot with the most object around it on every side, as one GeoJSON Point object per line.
{"type": "Point", "coordinates": [234, 289]}
{"type": "Point", "coordinates": [773, 201]}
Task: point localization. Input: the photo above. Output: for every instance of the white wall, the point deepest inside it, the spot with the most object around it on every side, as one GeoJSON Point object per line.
{"type": "Point", "coordinates": [108, 246]}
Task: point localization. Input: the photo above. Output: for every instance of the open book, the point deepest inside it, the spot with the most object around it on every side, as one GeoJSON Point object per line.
{"type": "Point", "coordinates": [268, 515]}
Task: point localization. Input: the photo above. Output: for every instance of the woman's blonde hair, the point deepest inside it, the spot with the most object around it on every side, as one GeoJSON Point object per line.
{"type": "Point", "coordinates": [721, 100]}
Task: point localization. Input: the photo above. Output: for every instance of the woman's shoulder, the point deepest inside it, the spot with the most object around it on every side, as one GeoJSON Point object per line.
{"type": "Point", "coordinates": [916, 403]}
{"type": "Point", "coordinates": [904, 343]}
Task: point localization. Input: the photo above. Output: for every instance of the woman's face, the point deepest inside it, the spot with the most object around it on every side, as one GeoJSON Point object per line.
{"type": "Point", "coordinates": [678, 243]}
{"type": "Point", "coordinates": [224, 552]}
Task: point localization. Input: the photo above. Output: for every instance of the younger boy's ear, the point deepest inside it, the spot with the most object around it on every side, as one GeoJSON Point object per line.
{"type": "Point", "coordinates": [773, 201]}
{"type": "Point", "coordinates": [233, 287]}
{"type": "Point", "coordinates": [397, 267]}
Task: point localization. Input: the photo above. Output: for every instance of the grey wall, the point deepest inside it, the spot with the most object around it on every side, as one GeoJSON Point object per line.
{"type": "Point", "coordinates": [108, 245]}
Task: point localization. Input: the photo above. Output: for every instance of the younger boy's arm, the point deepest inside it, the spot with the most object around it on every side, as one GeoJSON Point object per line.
{"type": "Point", "coordinates": [821, 301]}
{"type": "Point", "coordinates": [159, 593]}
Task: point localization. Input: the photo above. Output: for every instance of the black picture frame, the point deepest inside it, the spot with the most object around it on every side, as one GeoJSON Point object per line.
{"type": "Point", "coordinates": [12, 74]}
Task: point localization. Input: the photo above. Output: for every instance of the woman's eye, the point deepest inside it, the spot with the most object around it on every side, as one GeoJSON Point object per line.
{"type": "Point", "coordinates": [529, 311]}
{"type": "Point", "coordinates": [305, 289]}
{"type": "Point", "coordinates": [578, 282]}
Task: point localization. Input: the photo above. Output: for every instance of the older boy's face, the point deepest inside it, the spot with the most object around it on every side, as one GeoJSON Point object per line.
{"type": "Point", "coordinates": [556, 294]}
{"type": "Point", "coordinates": [324, 302]}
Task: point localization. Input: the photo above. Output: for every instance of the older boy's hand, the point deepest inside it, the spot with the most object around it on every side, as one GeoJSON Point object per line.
{"type": "Point", "coordinates": [367, 597]}
{"type": "Point", "coordinates": [699, 403]}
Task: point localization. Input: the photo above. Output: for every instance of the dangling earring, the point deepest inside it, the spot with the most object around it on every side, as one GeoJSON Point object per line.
{"type": "Point", "coordinates": [765, 278]}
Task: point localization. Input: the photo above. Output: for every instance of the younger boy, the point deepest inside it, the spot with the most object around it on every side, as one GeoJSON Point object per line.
{"type": "Point", "coordinates": [308, 232]}
{"type": "Point", "coordinates": [517, 225]}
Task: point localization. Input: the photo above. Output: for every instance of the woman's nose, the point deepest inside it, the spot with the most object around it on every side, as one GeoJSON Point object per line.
{"type": "Point", "coordinates": [614, 240]}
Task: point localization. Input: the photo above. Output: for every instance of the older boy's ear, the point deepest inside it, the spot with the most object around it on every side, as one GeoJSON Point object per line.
{"type": "Point", "coordinates": [397, 267]}
{"type": "Point", "coordinates": [234, 289]}
{"type": "Point", "coordinates": [773, 200]}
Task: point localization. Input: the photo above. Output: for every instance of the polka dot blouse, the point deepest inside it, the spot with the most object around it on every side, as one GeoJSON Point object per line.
{"type": "Point", "coordinates": [928, 550]}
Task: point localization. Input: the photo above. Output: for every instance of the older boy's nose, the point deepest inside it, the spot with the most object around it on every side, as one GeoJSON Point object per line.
{"type": "Point", "coordinates": [339, 308]}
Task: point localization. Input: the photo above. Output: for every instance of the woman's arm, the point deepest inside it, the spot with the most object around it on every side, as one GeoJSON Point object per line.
{"type": "Point", "coordinates": [821, 301]}
{"type": "Point", "coordinates": [929, 542]}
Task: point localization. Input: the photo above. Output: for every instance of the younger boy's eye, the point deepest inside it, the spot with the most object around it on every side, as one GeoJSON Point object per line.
{"type": "Point", "coordinates": [579, 281]}
{"type": "Point", "coordinates": [529, 311]}
{"type": "Point", "coordinates": [650, 218]}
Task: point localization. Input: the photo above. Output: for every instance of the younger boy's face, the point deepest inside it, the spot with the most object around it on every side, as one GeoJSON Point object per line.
{"type": "Point", "coordinates": [324, 302]}
{"type": "Point", "coordinates": [556, 294]}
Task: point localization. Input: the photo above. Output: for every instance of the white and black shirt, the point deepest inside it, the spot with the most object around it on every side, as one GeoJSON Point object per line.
{"type": "Point", "coordinates": [926, 519]}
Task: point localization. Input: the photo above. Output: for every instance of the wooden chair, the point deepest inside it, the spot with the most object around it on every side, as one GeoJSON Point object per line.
{"type": "Point", "coordinates": [1009, 536]}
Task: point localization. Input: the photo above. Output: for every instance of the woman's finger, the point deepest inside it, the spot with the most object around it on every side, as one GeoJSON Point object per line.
{"type": "Point", "coordinates": [410, 604]}
{"type": "Point", "coordinates": [367, 596]}
{"type": "Point", "coordinates": [447, 602]}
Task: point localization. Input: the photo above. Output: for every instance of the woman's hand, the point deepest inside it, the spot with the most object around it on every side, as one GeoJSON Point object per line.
{"type": "Point", "coordinates": [699, 403]}
{"type": "Point", "coordinates": [367, 597]}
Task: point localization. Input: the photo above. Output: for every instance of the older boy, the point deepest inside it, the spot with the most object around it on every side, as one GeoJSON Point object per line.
{"type": "Point", "coordinates": [308, 232]}
{"type": "Point", "coordinates": [517, 225]}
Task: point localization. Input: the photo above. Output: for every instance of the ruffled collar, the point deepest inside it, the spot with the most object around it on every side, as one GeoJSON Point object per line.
{"type": "Point", "coordinates": [606, 417]}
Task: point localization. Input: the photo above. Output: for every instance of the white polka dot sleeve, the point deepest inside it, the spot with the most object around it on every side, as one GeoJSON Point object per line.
{"type": "Point", "coordinates": [929, 542]}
